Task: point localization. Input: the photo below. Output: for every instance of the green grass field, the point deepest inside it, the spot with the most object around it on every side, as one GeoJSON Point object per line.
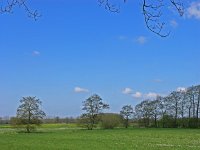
{"type": "Point", "coordinates": [67, 137]}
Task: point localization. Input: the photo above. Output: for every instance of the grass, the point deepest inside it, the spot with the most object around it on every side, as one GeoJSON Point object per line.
{"type": "Point", "coordinates": [60, 137]}
{"type": "Point", "coordinates": [57, 125]}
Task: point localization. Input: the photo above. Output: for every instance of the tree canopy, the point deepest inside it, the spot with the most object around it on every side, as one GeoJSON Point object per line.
{"type": "Point", "coordinates": [93, 106]}
{"type": "Point", "coordinates": [127, 112]}
{"type": "Point", "coordinates": [178, 109]}
{"type": "Point", "coordinates": [29, 113]}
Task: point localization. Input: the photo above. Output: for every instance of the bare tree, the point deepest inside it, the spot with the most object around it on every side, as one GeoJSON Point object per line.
{"type": "Point", "coordinates": [93, 106]}
{"type": "Point", "coordinates": [144, 110]}
{"type": "Point", "coordinates": [126, 112]}
{"type": "Point", "coordinates": [152, 12]}
{"type": "Point", "coordinates": [178, 109]}
{"type": "Point", "coordinates": [193, 95]}
{"type": "Point", "coordinates": [29, 113]}
{"type": "Point", "coordinates": [174, 102]}
{"type": "Point", "coordinates": [156, 109]}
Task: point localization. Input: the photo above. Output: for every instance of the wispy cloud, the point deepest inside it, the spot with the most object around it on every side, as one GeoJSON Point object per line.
{"type": "Point", "coordinates": [193, 11]}
{"type": "Point", "coordinates": [174, 23]}
{"type": "Point", "coordinates": [141, 40]}
{"type": "Point", "coordinates": [127, 91]}
{"type": "Point", "coordinates": [35, 53]}
{"type": "Point", "coordinates": [137, 95]}
{"type": "Point", "coordinates": [80, 90]}
{"type": "Point", "coordinates": [157, 80]}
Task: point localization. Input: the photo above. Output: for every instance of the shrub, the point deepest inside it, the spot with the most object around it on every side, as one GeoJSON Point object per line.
{"type": "Point", "coordinates": [110, 121]}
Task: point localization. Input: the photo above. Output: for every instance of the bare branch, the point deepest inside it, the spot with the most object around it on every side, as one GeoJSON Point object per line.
{"type": "Point", "coordinates": [11, 4]}
{"type": "Point", "coordinates": [109, 6]}
{"type": "Point", "coordinates": [179, 6]}
{"type": "Point", "coordinates": [152, 11]}
{"type": "Point", "coordinates": [152, 14]}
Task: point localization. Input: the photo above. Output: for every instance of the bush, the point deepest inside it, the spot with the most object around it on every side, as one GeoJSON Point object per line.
{"type": "Point", "coordinates": [85, 122]}
{"type": "Point", "coordinates": [193, 123]}
{"type": "Point", "coordinates": [110, 121]}
{"type": "Point", "coordinates": [20, 124]}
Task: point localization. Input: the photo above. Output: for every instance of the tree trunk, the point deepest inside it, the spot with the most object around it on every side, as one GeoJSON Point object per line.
{"type": "Point", "coordinates": [155, 120]}
{"type": "Point", "coordinates": [28, 128]}
{"type": "Point", "coordinates": [176, 114]}
{"type": "Point", "coordinates": [182, 110]}
{"type": "Point", "coordinates": [182, 114]}
{"type": "Point", "coordinates": [189, 112]}
{"type": "Point", "coordinates": [163, 122]}
{"type": "Point", "coordinates": [126, 125]}
{"type": "Point", "coordinates": [197, 112]}
{"type": "Point", "coordinates": [193, 102]}
{"type": "Point", "coordinates": [29, 120]}
{"type": "Point", "coordinates": [148, 121]}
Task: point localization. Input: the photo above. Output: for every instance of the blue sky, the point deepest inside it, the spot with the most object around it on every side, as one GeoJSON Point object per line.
{"type": "Point", "coordinates": [77, 48]}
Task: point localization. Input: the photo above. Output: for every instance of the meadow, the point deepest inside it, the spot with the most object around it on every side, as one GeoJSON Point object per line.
{"type": "Point", "coordinates": [69, 137]}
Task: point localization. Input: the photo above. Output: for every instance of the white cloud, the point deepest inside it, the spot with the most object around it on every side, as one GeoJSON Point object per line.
{"type": "Point", "coordinates": [140, 95]}
{"type": "Point", "coordinates": [151, 95]}
{"type": "Point", "coordinates": [141, 40]}
{"type": "Point", "coordinates": [35, 53]}
{"type": "Point", "coordinates": [80, 90]}
{"type": "Point", "coordinates": [137, 95]}
{"type": "Point", "coordinates": [194, 10]}
{"type": "Point", "coordinates": [127, 91]}
{"type": "Point", "coordinates": [173, 23]}
{"type": "Point", "coordinates": [181, 89]}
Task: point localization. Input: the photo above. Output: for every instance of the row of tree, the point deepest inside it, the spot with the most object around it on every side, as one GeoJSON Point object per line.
{"type": "Point", "coordinates": [178, 109]}
{"type": "Point", "coordinates": [29, 115]}
{"type": "Point", "coordinates": [94, 106]}
{"type": "Point", "coordinates": [181, 108]}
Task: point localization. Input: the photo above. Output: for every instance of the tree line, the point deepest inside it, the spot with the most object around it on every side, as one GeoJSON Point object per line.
{"type": "Point", "coordinates": [179, 109]}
